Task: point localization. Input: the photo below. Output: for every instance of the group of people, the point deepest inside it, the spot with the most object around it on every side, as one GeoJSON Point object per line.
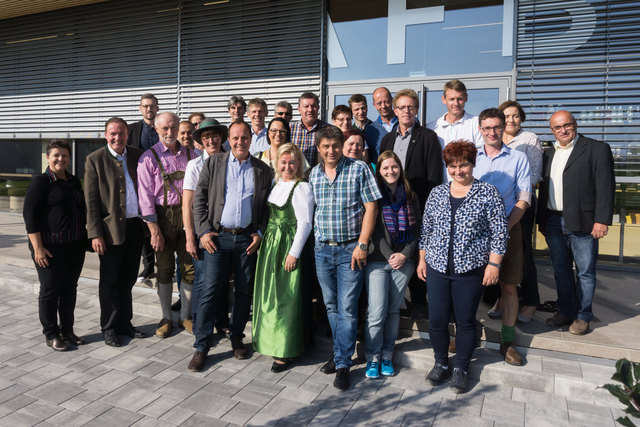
{"type": "Point", "coordinates": [392, 204]}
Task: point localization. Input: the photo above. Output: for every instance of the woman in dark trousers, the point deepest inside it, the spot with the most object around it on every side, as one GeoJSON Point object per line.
{"type": "Point", "coordinates": [55, 218]}
{"type": "Point", "coordinates": [464, 237]}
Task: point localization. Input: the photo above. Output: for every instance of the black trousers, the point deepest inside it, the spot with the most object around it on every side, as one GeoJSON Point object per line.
{"type": "Point", "coordinates": [148, 254]}
{"type": "Point", "coordinates": [529, 285]}
{"type": "Point", "coordinates": [59, 286]}
{"type": "Point", "coordinates": [118, 271]}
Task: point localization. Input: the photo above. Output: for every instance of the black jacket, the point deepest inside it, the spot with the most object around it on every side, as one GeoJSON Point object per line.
{"type": "Point", "coordinates": [423, 166]}
{"type": "Point", "coordinates": [588, 183]}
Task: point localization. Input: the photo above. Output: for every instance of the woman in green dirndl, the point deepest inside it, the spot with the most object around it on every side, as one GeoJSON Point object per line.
{"type": "Point", "coordinates": [278, 325]}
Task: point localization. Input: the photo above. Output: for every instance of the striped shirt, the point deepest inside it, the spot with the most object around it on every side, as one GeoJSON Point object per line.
{"type": "Point", "coordinates": [305, 139]}
{"type": "Point", "coordinates": [340, 204]}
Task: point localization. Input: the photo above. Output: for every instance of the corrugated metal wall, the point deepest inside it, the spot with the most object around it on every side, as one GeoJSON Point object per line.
{"type": "Point", "coordinates": [582, 56]}
{"type": "Point", "coordinates": [63, 73]}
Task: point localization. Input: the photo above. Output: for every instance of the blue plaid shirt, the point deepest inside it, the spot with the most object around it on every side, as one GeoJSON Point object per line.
{"type": "Point", "coordinates": [340, 204]}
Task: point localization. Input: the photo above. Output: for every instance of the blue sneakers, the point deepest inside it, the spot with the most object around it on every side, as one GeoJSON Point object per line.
{"type": "Point", "coordinates": [373, 370]}
{"type": "Point", "coordinates": [387, 368]}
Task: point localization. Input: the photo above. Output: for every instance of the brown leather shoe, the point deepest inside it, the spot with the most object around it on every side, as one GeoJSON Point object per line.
{"type": "Point", "coordinates": [57, 344]}
{"type": "Point", "coordinates": [559, 320]}
{"type": "Point", "coordinates": [511, 355]}
{"type": "Point", "coordinates": [197, 361]}
{"type": "Point", "coordinates": [164, 328]}
{"type": "Point", "coordinates": [186, 324]}
{"type": "Point", "coordinates": [239, 351]}
{"type": "Point", "coordinates": [579, 327]}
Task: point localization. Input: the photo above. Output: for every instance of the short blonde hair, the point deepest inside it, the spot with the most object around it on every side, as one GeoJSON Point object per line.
{"type": "Point", "coordinates": [406, 92]}
{"type": "Point", "coordinates": [292, 149]}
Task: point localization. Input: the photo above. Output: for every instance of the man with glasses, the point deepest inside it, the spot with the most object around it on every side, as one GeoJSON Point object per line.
{"type": "Point", "coordinates": [421, 158]}
{"type": "Point", "coordinates": [576, 201]}
{"type": "Point", "coordinates": [508, 170]}
{"type": "Point", "coordinates": [284, 110]}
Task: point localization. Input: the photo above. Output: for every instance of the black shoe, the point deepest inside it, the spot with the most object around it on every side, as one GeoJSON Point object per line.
{"type": "Point", "coordinates": [437, 374]}
{"type": "Point", "coordinates": [176, 305]}
{"type": "Point", "coordinates": [57, 344]}
{"type": "Point", "coordinates": [459, 381]}
{"type": "Point", "coordinates": [72, 338]}
{"type": "Point", "coordinates": [132, 332]}
{"type": "Point", "coordinates": [197, 361]}
{"type": "Point", "coordinates": [239, 350]}
{"type": "Point", "coordinates": [342, 381]}
{"type": "Point", "coordinates": [329, 367]}
{"type": "Point", "coordinates": [279, 367]}
{"type": "Point", "coordinates": [110, 338]}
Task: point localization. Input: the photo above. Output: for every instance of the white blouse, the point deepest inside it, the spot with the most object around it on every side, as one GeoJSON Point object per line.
{"type": "Point", "coordinates": [303, 203]}
{"type": "Point", "coordinates": [529, 144]}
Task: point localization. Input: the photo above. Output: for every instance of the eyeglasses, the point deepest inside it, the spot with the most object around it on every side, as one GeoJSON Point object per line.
{"type": "Point", "coordinates": [409, 108]}
{"type": "Point", "coordinates": [489, 129]}
{"type": "Point", "coordinates": [284, 113]}
{"type": "Point", "coordinates": [566, 126]}
{"type": "Point", "coordinates": [279, 132]}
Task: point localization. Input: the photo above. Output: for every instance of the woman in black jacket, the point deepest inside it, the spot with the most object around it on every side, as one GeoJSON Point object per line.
{"type": "Point", "coordinates": [55, 218]}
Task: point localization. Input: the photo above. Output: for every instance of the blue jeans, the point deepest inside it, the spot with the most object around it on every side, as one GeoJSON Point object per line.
{"type": "Point", "coordinates": [198, 283]}
{"type": "Point", "coordinates": [575, 293]}
{"type": "Point", "coordinates": [341, 289]}
{"type": "Point", "coordinates": [461, 292]}
{"type": "Point", "coordinates": [230, 256]}
{"type": "Point", "coordinates": [385, 289]}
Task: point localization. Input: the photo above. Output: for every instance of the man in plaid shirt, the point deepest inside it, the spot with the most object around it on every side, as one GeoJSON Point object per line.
{"type": "Point", "coordinates": [346, 192]}
{"type": "Point", "coordinates": [303, 132]}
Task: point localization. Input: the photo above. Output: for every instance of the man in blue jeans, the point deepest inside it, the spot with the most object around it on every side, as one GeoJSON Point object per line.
{"type": "Point", "coordinates": [230, 214]}
{"type": "Point", "coordinates": [346, 192]}
{"type": "Point", "coordinates": [575, 210]}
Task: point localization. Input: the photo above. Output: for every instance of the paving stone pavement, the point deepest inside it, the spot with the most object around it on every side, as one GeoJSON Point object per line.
{"type": "Point", "coordinates": [145, 382]}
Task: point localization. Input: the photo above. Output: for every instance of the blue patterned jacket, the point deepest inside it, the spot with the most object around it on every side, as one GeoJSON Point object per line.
{"type": "Point", "coordinates": [480, 228]}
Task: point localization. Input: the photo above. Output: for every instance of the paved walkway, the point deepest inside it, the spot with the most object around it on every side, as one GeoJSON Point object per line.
{"type": "Point", "coordinates": [146, 382]}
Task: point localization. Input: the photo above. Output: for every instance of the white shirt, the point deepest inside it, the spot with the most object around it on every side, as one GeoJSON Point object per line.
{"type": "Point", "coordinates": [466, 128]}
{"type": "Point", "coordinates": [192, 172]}
{"type": "Point", "coordinates": [558, 164]}
{"type": "Point", "coordinates": [132, 210]}
{"type": "Point", "coordinates": [303, 203]}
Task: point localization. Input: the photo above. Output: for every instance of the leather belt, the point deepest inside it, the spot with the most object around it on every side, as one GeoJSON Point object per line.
{"type": "Point", "coordinates": [235, 231]}
{"type": "Point", "coordinates": [334, 243]}
{"type": "Point", "coordinates": [558, 213]}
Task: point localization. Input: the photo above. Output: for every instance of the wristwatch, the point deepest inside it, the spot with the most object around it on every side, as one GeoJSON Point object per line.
{"type": "Point", "coordinates": [363, 246]}
{"type": "Point", "coordinates": [493, 264]}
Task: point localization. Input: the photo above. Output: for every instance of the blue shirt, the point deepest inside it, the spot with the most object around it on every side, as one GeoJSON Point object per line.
{"type": "Point", "coordinates": [148, 137]}
{"type": "Point", "coordinates": [340, 203]}
{"type": "Point", "coordinates": [508, 172]}
{"type": "Point", "coordinates": [239, 185]}
{"type": "Point", "coordinates": [374, 133]}
{"type": "Point", "coordinates": [259, 142]}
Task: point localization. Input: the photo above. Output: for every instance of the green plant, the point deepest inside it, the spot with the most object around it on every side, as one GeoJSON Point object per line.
{"type": "Point", "coordinates": [627, 373]}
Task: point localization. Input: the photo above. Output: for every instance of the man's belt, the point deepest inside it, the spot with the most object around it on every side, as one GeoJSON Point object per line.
{"type": "Point", "coordinates": [558, 213]}
{"type": "Point", "coordinates": [235, 231]}
{"type": "Point", "coordinates": [334, 243]}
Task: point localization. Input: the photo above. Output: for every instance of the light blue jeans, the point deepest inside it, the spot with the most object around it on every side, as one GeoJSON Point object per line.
{"type": "Point", "coordinates": [341, 287]}
{"type": "Point", "coordinates": [385, 290]}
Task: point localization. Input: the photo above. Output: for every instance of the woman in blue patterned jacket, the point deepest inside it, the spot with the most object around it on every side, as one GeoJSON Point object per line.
{"type": "Point", "coordinates": [464, 236]}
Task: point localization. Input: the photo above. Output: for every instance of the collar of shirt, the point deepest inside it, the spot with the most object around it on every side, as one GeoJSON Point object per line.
{"type": "Point", "coordinates": [116, 155]}
{"type": "Point", "coordinates": [51, 174]}
{"type": "Point", "coordinates": [339, 166]}
{"type": "Point", "coordinates": [262, 132]}
{"type": "Point", "coordinates": [392, 122]}
{"type": "Point", "coordinates": [240, 163]}
{"type": "Point", "coordinates": [557, 145]}
{"type": "Point", "coordinates": [146, 125]}
{"type": "Point", "coordinates": [504, 151]}
{"type": "Point", "coordinates": [408, 133]}
{"type": "Point", "coordinates": [442, 121]}
{"type": "Point", "coordinates": [161, 148]}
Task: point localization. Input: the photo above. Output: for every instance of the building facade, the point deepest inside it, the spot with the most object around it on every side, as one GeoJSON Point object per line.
{"type": "Point", "coordinates": [67, 67]}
